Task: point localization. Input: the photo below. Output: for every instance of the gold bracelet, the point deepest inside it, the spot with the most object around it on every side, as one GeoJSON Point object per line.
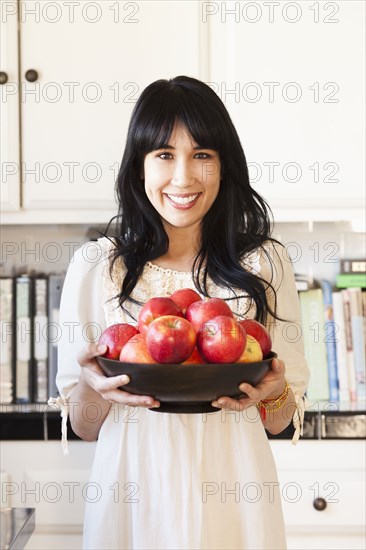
{"type": "Point", "coordinates": [273, 404]}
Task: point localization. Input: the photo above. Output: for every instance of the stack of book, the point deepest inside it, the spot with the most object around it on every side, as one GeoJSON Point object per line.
{"type": "Point", "coordinates": [334, 329]}
{"type": "Point", "coordinates": [29, 332]}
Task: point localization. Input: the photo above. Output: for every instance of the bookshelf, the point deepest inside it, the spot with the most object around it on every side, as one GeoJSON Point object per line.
{"type": "Point", "coordinates": [315, 248]}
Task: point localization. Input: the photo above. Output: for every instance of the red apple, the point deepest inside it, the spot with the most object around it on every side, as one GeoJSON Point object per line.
{"type": "Point", "coordinates": [135, 350]}
{"type": "Point", "coordinates": [204, 310]}
{"type": "Point", "coordinates": [154, 308]}
{"type": "Point", "coordinates": [184, 298]}
{"type": "Point", "coordinates": [115, 337]}
{"type": "Point", "coordinates": [252, 351]}
{"type": "Point", "coordinates": [195, 358]}
{"type": "Point", "coordinates": [259, 332]}
{"type": "Point", "coordinates": [170, 339]}
{"type": "Point", "coordinates": [221, 340]}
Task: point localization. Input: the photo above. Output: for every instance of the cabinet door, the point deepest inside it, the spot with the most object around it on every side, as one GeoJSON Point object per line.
{"type": "Point", "coordinates": [57, 486]}
{"type": "Point", "coordinates": [292, 76]}
{"type": "Point", "coordinates": [9, 109]}
{"type": "Point", "coordinates": [93, 59]}
{"type": "Point", "coordinates": [331, 470]}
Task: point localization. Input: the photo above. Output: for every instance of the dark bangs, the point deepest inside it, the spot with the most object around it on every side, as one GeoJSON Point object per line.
{"type": "Point", "coordinates": [176, 101]}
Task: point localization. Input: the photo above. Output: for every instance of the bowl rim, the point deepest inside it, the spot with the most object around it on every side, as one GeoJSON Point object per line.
{"type": "Point", "coordinates": [272, 355]}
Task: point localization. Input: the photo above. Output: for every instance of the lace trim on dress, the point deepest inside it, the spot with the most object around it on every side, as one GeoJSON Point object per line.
{"type": "Point", "coordinates": [164, 270]}
{"type": "Point", "coordinates": [61, 403]}
{"type": "Point", "coordinates": [298, 419]}
{"type": "Point", "coordinates": [157, 281]}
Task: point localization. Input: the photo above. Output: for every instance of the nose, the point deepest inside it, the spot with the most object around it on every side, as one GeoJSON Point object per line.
{"type": "Point", "coordinates": [183, 174]}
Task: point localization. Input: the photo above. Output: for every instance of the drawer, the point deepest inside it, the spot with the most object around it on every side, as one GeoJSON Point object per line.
{"type": "Point", "coordinates": [342, 492]}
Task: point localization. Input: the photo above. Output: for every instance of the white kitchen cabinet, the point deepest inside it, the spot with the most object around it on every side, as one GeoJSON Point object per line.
{"type": "Point", "coordinates": [291, 75]}
{"type": "Point", "coordinates": [9, 115]}
{"type": "Point", "coordinates": [280, 68]}
{"type": "Point", "coordinates": [330, 470]}
{"type": "Point", "coordinates": [36, 474]}
{"type": "Point", "coordinates": [88, 63]}
{"type": "Point", "coordinates": [57, 486]}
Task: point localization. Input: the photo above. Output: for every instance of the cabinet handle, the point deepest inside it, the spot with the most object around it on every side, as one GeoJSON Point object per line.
{"type": "Point", "coordinates": [31, 75]}
{"type": "Point", "coordinates": [320, 504]}
{"type": "Point", "coordinates": [3, 77]}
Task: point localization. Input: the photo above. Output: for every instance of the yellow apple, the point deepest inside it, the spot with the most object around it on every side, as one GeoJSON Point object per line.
{"type": "Point", "coordinates": [252, 351]}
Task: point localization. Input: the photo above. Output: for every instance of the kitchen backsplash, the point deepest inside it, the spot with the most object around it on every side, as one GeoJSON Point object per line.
{"type": "Point", "coordinates": [315, 248]}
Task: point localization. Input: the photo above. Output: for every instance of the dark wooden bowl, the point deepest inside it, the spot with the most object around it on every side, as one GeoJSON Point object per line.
{"type": "Point", "coordinates": [187, 388]}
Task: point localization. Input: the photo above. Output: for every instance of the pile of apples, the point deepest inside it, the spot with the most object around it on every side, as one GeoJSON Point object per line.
{"type": "Point", "coordinates": [186, 329]}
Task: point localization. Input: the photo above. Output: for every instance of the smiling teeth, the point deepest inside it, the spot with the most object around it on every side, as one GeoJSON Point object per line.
{"type": "Point", "coordinates": [183, 200]}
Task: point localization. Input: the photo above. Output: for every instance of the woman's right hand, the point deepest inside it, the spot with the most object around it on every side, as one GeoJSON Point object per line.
{"type": "Point", "coordinates": [108, 387]}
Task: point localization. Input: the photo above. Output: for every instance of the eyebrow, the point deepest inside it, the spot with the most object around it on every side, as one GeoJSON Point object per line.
{"type": "Point", "coordinates": [195, 148]}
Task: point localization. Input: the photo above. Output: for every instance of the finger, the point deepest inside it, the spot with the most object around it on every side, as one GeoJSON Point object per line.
{"type": "Point", "coordinates": [229, 403]}
{"type": "Point", "coordinates": [250, 391]}
{"type": "Point", "coordinates": [88, 353]}
{"type": "Point", "coordinates": [122, 397]}
{"type": "Point", "coordinates": [109, 388]}
{"type": "Point", "coordinates": [278, 366]}
{"type": "Point", "coordinates": [105, 384]}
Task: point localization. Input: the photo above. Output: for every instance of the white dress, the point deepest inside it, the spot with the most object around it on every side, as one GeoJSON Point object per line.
{"type": "Point", "coordinates": [176, 481]}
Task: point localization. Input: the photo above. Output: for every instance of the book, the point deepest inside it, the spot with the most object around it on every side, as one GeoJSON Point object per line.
{"type": "Point", "coordinates": [358, 340]}
{"type": "Point", "coordinates": [40, 341]}
{"type": "Point", "coordinates": [341, 346]}
{"type": "Point", "coordinates": [363, 298]}
{"type": "Point", "coordinates": [301, 282]}
{"type": "Point", "coordinates": [55, 284]}
{"type": "Point", "coordinates": [312, 312]}
{"type": "Point", "coordinates": [353, 266]}
{"type": "Point", "coordinates": [349, 344]}
{"type": "Point", "coordinates": [330, 340]}
{"type": "Point", "coordinates": [23, 338]}
{"type": "Point", "coordinates": [348, 280]}
{"type": "Point", "coordinates": [6, 340]}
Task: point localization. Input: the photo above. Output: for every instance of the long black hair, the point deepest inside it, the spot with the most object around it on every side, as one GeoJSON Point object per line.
{"type": "Point", "coordinates": [237, 223]}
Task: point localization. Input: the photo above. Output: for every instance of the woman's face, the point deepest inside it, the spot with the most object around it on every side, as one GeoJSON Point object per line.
{"type": "Point", "coordinates": [182, 180]}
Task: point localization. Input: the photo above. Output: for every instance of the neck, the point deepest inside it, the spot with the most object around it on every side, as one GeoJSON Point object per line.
{"type": "Point", "coordinates": [183, 247]}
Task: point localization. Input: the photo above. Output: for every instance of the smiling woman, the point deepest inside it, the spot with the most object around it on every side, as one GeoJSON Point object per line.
{"type": "Point", "coordinates": [188, 218]}
{"type": "Point", "coordinates": [177, 123]}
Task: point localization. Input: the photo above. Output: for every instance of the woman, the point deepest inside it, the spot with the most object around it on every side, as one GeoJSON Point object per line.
{"type": "Point", "coordinates": [188, 217]}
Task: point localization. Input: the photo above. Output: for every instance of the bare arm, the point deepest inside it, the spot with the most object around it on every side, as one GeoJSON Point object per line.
{"type": "Point", "coordinates": [94, 387]}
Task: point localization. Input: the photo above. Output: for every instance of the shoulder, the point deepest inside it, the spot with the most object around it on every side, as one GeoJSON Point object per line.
{"type": "Point", "coordinates": [269, 256]}
{"type": "Point", "coordinates": [271, 262]}
{"type": "Point", "coordinates": [92, 253]}
{"type": "Point", "coordinates": [89, 261]}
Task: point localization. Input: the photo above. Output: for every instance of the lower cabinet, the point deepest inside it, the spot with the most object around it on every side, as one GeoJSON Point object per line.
{"type": "Point", "coordinates": [36, 474]}
{"type": "Point", "coordinates": [323, 493]}
{"type": "Point", "coordinates": [322, 486]}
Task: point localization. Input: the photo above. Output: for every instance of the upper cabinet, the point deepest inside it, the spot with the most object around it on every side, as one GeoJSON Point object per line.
{"type": "Point", "coordinates": [290, 73]}
{"type": "Point", "coordinates": [83, 66]}
{"type": "Point", "coordinates": [292, 76]}
{"type": "Point", "coordinates": [9, 113]}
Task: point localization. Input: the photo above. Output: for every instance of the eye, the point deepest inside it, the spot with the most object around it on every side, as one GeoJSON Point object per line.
{"type": "Point", "coordinates": [203, 156]}
{"type": "Point", "coordinates": [165, 156]}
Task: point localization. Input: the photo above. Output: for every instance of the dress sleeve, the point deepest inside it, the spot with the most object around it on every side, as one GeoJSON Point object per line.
{"type": "Point", "coordinates": [81, 321]}
{"type": "Point", "coordinates": [287, 340]}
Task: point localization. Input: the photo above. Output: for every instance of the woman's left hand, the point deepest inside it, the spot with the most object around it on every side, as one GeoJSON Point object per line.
{"type": "Point", "coordinates": [272, 385]}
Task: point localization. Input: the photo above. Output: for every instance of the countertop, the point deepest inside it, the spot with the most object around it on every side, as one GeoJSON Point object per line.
{"type": "Point", "coordinates": [38, 421]}
{"type": "Point", "coordinates": [17, 526]}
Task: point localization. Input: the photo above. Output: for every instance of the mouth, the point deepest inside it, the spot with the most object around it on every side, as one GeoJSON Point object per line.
{"type": "Point", "coordinates": [183, 202]}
